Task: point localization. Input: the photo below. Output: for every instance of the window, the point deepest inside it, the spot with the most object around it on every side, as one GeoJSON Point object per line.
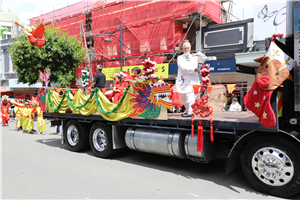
{"type": "Point", "coordinates": [8, 36]}
{"type": "Point", "coordinates": [9, 29]}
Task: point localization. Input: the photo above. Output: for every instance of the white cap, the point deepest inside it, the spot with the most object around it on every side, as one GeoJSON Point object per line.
{"type": "Point", "coordinates": [99, 67]}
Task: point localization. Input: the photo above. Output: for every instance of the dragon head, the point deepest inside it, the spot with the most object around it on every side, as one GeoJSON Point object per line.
{"type": "Point", "coordinates": [5, 99]}
{"type": "Point", "coordinates": [34, 102]}
{"type": "Point", "coordinates": [160, 95]}
{"type": "Point", "coordinates": [148, 95]}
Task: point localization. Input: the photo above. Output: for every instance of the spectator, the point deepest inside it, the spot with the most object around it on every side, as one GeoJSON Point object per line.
{"type": "Point", "coordinates": [99, 79]}
{"type": "Point", "coordinates": [58, 130]}
{"type": "Point", "coordinates": [235, 106]}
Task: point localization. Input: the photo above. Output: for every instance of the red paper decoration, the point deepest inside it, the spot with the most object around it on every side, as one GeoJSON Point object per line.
{"type": "Point", "coordinates": [204, 70]}
{"type": "Point", "coordinates": [199, 107]}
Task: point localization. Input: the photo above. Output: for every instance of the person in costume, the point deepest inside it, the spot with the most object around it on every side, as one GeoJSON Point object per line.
{"type": "Point", "coordinates": [124, 75]}
{"type": "Point", "coordinates": [99, 79]}
{"type": "Point", "coordinates": [188, 76]}
{"type": "Point", "coordinates": [27, 124]}
{"type": "Point", "coordinates": [4, 110]}
{"type": "Point", "coordinates": [18, 112]}
{"type": "Point", "coordinates": [136, 71]}
{"type": "Point", "coordinates": [116, 89]}
{"type": "Point", "coordinates": [5, 115]}
{"type": "Point", "coordinates": [40, 120]}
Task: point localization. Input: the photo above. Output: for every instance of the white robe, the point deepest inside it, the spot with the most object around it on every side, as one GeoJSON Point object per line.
{"type": "Point", "coordinates": [187, 77]}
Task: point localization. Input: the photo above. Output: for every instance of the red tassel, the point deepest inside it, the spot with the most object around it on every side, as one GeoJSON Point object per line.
{"type": "Point", "coordinates": [211, 133]}
{"type": "Point", "coordinates": [192, 129]}
{"type": "Point", "coordinates": [200, 137]}
{"type": "Point", "coordinates": [211, 119]}
{"type": "Point", "coordinates": [198, 140]}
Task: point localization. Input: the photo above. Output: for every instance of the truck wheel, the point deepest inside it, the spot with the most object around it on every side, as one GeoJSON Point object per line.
{"type": "Point", "coordinates": [74, 136]}
{"type": "Point", "coordinates": [272, 166]}
{"type": "Point", "coordinates": [101, 140]}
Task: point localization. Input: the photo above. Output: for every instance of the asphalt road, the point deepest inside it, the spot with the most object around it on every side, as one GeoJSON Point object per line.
{"type": "Point", "coordinates": [40, 167]}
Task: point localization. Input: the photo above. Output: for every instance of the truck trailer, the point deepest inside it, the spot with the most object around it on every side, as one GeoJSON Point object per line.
{"type": "Point", "coordinates": [269, 157]}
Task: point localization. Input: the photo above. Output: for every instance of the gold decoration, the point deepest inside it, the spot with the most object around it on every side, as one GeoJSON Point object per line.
{"type": "Point", "coordinates": [257, 105]}
{"type": "Point", "coordinates": [265, 115]}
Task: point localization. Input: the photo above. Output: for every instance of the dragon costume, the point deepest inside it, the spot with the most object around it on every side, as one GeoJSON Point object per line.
{"type": "Point", "coordinates": [4, 110]}
{"type": "Point", "coordinates": [40, 119]}
{"type": "Point", "coordinates": [27, 118]}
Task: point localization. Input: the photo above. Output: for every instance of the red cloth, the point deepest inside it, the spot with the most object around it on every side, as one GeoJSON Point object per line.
{"type": "Point", "coordinates": [125, 84]}
{"type": "Point", "coordinates": [5, 115]}
{"type": "Point", "coordinates": [117, 95]}
{"type": "Point", "coordinates": [131, 77]}
{"type": "Point", "coordinates": [175, 97]}
{"type": "Point", "coordinates": [258, 101]}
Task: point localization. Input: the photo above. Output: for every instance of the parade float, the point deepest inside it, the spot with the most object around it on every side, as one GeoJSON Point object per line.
{"type": "Point", "coordinates": [139, 121]}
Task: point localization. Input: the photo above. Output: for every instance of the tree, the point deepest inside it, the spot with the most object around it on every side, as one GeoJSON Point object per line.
{"type": "Point", "coordinates": [62, 54]}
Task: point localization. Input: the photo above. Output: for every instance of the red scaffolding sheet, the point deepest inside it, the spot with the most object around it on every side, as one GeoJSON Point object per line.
{"type": "Point", "coordinates": [149, 27]}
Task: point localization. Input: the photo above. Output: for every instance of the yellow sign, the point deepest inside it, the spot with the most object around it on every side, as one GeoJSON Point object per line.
{"type": "Point", "coordinates": [161, 70]}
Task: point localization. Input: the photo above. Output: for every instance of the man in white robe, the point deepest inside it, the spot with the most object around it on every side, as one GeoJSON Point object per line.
{"type": "Point", "coordinates": [188, 76]}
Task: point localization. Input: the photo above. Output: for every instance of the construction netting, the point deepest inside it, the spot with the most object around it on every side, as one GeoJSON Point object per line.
{"type": "Point", "coordinates": [148, 27]}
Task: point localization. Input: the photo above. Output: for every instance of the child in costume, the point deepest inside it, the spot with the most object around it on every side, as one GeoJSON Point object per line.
{"type": "Point", "coordinates": [135, 74]}
{"type": "Point", "coordinates": [4, 110]}
{"type": "Point", "coordinates": [41, 121]}
{"type": "Point", "coordinates": [18, 112]}
{"type": "Point", "coordinates": [116, 89]}
{"type": "Point", "coordinates": [27, 118]}
{"type": "Point", "coordinates": [124, 75]}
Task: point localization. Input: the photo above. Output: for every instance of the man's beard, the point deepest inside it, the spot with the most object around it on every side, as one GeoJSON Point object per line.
{"type": "Point", "coordinates": [187, 54]}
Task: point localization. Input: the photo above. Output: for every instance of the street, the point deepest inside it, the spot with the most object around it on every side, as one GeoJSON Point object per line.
{"type": "Point", "coordinates": [40, 167]}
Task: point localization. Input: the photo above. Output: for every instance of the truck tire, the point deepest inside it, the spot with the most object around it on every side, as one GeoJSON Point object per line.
{"type": "Point", "coordinates": [272, 166]}
{"type": "Point", "coordinates": [101, 140]}
{"type": "Point", "coordinates": [75, 136]}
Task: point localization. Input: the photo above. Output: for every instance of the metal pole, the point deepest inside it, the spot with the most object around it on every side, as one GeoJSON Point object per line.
{"type": "Point", "coordinates": [121, 45]}
{"type": "Point", "coordinates": [91, 39]}
{"type": "Point", "coordinates": [200, 31]}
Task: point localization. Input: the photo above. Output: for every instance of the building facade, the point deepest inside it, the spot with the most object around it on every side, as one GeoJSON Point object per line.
{"type": "Point", "coordinates": [7, 21]}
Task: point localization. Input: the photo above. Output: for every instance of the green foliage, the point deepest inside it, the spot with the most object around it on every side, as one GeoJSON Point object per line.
{"type": "Point", "coordinates": [62, 54]}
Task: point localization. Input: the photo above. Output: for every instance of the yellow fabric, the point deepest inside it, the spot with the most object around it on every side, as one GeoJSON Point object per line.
{"type": "Point", "coordinates": [279, 94]}
{"type": "Point", "coordinates": [79, 99]}
{"type": "Point", "coordinates": [17, 104]}
{"type": "Point", "coordinates": [19, 116]}
{"type": "Point", "coordinates": [41, 121]}
{"type": "Point", "coordinates": [27, 119]}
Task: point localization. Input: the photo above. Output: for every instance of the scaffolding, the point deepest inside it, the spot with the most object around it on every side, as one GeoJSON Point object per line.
{"type": "Point", "coordinates": [153, 27]}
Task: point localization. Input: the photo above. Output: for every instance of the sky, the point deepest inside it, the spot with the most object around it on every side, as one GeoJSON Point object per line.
{"type": "Point", "coordinates": [26, 9]}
